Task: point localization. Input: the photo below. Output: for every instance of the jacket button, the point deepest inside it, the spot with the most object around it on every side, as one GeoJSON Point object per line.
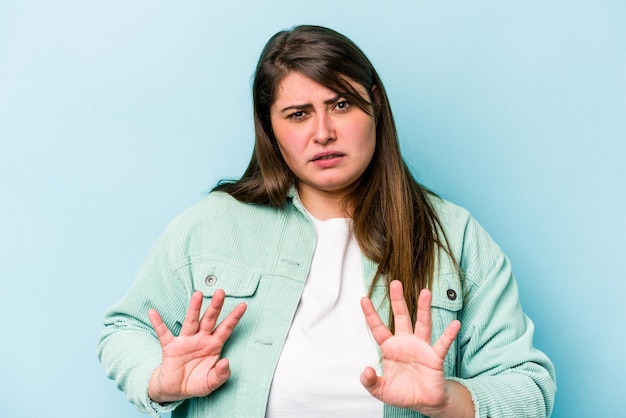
{"type": "Point", "coordinates": [210, 280]}
{"type": "Point", "coordinates": [451, 294]}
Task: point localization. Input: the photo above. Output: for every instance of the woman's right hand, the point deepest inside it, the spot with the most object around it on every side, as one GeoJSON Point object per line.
{"type": "Point", "coordinates": [192, 366]}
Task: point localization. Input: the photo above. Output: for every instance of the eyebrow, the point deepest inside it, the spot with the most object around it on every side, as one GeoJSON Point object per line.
{"type": "Point", "coordinates": [330, 101]}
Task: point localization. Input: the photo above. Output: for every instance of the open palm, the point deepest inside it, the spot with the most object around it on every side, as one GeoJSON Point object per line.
{"type": "Point", "coordinates": [192, 365]}
{"type": "Point", "coordinates": [413, 375]}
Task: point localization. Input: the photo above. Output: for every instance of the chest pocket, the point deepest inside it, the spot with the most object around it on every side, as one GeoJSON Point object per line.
{"type": "Point", "coordinates": [237, 282]}
{"type": "Point", "coordinates": [447, 301]}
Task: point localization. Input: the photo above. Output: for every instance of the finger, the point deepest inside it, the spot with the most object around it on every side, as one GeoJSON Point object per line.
{"type": "Point", "coordinates": [190, 324]}
{"type": "Point", "coordinates": [218, 375]}
{"type": "Point", "coordinates": [401, 316]}
{"type": "Point", "coordinates": [209, 318]}
{"type": "Point", "coordinates": [162, 332]}
{"type": "Point", "coordinates": [226, 327]}
{"type": "Point", "coordinates": [444, 342]}
{"type": "Point", "coordinates": [370, 381]}
{"type": "Point", "coordinates": [379, 330]}
{"type": "Point", "coordinates": [423, 324]}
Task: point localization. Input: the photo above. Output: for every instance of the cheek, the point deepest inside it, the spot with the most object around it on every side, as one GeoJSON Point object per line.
{"type": "Point", "coordinates": [365, 133]}
{"type": "Point", "coordinates": [369, 143]}
{"type": "Point", "coordinates": [288, 146]}
{"type": "Point", "coordinates": [290, 139]}
{"type": "Point", "coordinates": [283, 141]}
{"type": "Point", "coordinates": [280, 135]}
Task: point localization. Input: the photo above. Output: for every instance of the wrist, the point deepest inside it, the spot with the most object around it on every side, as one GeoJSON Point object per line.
{"type": "Point", "coordinates": [154, 392]}
{"type": "Point", "coordinates": [458, 403]}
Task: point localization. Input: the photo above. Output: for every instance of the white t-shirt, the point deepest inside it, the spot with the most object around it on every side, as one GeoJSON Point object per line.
{"type": "Point", "coordinates": [329, 344]}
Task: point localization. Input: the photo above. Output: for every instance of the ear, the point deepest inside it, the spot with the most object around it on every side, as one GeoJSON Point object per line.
{"type": "Point", "coordinates": [376, 101]}
{"type": "Point", "coordinates": [375, 94]}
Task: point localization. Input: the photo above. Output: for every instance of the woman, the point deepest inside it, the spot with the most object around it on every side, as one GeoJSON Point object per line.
{"type": "Point", "coordinates": [326, 215]}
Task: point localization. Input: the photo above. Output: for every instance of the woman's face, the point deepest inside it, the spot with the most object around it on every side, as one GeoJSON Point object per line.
{"type": "Point", "coordinates": [326, 141]}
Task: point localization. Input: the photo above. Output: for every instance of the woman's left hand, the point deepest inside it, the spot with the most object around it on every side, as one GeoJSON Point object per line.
{"type": "Point", "coordinates": [413, 374]}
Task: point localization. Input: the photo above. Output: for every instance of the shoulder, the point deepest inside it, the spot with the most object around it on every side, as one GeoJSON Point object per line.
{"type": "Point", "coordinates": [451, 216]}
{"type": "Point", "coordinates": [454, 221]}
{"type": "Point", "coordinates": [472, 246]}
{"type": "Point", "coordinates": [217, 210]}
{"type": "Point", "coordinates": [216, 223]}
{"type": "Point", "coordinates": [457, 222]}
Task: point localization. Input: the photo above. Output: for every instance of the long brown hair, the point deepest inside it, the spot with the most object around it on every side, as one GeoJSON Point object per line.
{"type": "Point", "coordinates": [393, 218]}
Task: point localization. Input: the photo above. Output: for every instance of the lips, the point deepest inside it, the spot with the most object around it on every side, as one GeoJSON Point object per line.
{"type": "Point", "coordinates": [327, 156]}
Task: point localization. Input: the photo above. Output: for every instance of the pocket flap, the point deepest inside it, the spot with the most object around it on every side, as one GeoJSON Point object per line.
{"type": "Point", "coordinates": [448, 292]}
{"type": "Point", "coordinates": [210, 275]}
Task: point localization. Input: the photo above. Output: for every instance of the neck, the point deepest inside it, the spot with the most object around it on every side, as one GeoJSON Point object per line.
{"type": "Point", "coordinates": [324, 205]}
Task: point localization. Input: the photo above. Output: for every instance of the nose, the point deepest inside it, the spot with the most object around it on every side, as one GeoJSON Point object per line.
{"type": "Point", "coordinates": [324, 129]}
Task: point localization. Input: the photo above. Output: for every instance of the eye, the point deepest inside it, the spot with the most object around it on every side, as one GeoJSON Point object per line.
{"type": "Point", "coordinates": [296, 115]}
{"type": "Point", "coordinates": [342, 105]}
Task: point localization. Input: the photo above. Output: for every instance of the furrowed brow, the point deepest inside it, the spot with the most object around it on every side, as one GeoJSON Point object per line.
{"type": "Point", "coordinates": [333, 100]}
{"type": "Point", "coordinates": [297, 107]}
{"type": "Point", "coordinates": [308, 106]}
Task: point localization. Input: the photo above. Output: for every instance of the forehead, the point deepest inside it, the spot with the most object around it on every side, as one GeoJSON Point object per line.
{"type": "Point", "coordinates": [297, 86]}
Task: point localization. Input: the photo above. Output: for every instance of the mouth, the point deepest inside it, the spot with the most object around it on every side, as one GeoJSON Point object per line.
{"type": "Point", "coordinates": [327, 156]}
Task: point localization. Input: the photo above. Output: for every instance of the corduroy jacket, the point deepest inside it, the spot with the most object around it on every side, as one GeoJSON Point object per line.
{"type": "Point", "coordinates": [261, 256]}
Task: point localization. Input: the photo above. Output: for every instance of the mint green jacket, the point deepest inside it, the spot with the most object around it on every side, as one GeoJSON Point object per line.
{"type": "Point", "coordinates": [261, 256]}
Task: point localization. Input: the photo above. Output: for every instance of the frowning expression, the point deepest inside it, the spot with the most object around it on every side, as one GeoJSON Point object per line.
{"type": "Point", "coordinates": [325, 140]}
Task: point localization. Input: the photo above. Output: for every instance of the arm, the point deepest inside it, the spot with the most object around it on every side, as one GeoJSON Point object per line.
{"type": "Point", "coordinates": [128, 346]}
{"type": "Point", "coordinates": [138, 348]}
{"type": "Point", "coordinates": [505, 374]}
{"type": "Point", "coordinates": [498, 369]}
{"type": "Point", "coordinates": [413, 370]}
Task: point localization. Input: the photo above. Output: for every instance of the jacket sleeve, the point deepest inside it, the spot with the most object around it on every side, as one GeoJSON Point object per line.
{"type": "Point", "coordinates": [128, 347]}
{"type": "Point", "coordinates": [505, 374]}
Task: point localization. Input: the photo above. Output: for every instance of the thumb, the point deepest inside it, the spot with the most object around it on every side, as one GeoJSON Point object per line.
{"type": "Point", "coordinates": [370, 381]}
{"type": "Point", "coordinates": [218, 375]}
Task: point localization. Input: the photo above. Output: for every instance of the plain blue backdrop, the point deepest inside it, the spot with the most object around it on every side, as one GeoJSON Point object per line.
{"type": "Point", "coordinates": [117, 115]}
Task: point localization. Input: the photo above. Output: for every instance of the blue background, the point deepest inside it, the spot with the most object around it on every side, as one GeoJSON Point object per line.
{"type": "Point", "coordinates": [116, 115]}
